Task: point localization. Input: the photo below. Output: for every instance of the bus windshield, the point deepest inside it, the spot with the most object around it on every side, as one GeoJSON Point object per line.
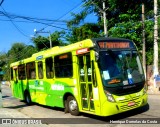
{"type": "Point", "coordinates": [120, 68]}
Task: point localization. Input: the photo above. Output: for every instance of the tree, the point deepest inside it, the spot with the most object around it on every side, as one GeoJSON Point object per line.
{"type": "Point", "coordinates": [123, 20]}
{"type": "Point", "coordinates": [89, 30]}
{"type": "Point", "coordinates": [42, 43]}
{"type": "Point", "coordinates": [3, 66]}
{"type": "Point", "coordinates": [17, 52]}
{"type": "Point", "coordinates": [20, 51]}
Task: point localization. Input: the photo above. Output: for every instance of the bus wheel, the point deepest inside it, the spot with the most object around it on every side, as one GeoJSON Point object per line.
{"type": "Point", "coordinates": [28, 98]}
{"type": "Point", "coordinates": [72, 106]}
{"type": "Point", "coordinates": [65, 106]}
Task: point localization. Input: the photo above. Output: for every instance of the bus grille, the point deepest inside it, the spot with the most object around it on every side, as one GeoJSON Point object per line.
{"type": "Point", "coordinates": [126, 107]}
{"type": "Point", "coordinates": [124, 101]}
{"type": "Point", "coordinates": [135, 98]}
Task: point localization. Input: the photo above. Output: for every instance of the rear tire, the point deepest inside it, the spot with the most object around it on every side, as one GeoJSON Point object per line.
{"type": "Point", "coordinates": [72, 106]}
{"type": "Point", "coordinates": [66, 107]}
{"type": "Point", "coordinates": [28, 98]}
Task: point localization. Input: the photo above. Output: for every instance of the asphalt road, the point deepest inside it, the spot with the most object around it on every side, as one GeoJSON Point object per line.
{"type": "Point", "coordinates": [148, 114]}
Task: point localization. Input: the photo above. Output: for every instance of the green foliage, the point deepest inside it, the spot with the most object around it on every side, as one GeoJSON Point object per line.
{"type": "Point", "coordinates": [17, 52]}
{"type": "Point", "coordinates": [3, 62]}
{"type": "Point", "coordinates": [2, 59]}
{"type": "Point", "coordinates": [42, 43]}
{"type": "Point", "coordinates": [76, 19]}
{"type": "Point", "coordinates": [89, 30]}
{"type": "Point", "coordinates": [124, 20]}
{"type": "Point", "coordinates": [57, 38]}
{"type": "Point", "coordinates": [130, 30]}
{"type": "Point", "coordinates": [20, 51]}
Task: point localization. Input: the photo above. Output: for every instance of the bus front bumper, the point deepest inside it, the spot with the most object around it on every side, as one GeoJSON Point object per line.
{"type": "Point", "coordinates": [112, 108]}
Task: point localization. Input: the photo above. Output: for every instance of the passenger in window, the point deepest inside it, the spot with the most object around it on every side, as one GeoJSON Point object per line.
{"type": "Point", "coordinates": [33, 75]}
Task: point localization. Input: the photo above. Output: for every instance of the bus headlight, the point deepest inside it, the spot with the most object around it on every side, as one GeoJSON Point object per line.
{"type": "Point", "coordinates": [110, 98]}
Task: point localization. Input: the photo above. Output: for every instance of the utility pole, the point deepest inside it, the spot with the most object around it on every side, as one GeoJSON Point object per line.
{"type": "Point", "coordinates": [143, 40]}
{"type": "Point", "coordinates": [104, 19]}
{"type": "Point", "coordinates": [103, 11]}
{"type": "Point", "coordinates": [40, 31]}
{"type": "Point", "coordinates": [155, 66]}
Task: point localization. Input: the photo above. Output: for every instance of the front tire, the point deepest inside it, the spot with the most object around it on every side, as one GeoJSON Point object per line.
{"type": "Point", "coordinates": [72, 106]}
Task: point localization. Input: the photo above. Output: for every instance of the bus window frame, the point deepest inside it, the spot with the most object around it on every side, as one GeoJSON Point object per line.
{"type": "Point", "coordinates": [49, 71]}
{"type": "Point", "coordinates": [11, 73]}
{"type": "Point", "coordinates": [23, 75]}
{"type": "Point", "coordinates": [40, 69]}
{"type": "Point", "coordinates": [31, 71]}
{"type": "Point", "coordinates": [60, 66]}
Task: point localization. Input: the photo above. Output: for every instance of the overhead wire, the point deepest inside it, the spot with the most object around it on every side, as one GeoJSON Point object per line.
{"type": "Point", "coordinates": [1, 2]}
{"type": "Point", "coordinates": [21, 53]}
{"type": "Point", "coordinates": [58, 19]}
{"type": "Point", "coordinates": [13, 23]}
{"type": "Point", "coordinates": [34, 20]}
{"type": "Point", "coordinates": [13, 18]}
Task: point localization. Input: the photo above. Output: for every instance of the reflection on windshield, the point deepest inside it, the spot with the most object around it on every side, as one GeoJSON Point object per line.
{"type": "Point", "coordinates": [120, 67]}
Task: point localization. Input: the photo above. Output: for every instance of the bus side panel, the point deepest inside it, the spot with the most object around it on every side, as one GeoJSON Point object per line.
{"type": "Point", "coordinates": [32, 90]}
{"type": "Point", "coordinates": [57, 91]}
{"type": "Point", "coordinates": [18, 89]}
{"type": "Point", "coordinates": [50, 92]}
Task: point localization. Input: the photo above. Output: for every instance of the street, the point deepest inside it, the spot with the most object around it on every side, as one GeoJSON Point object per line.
{"type": "Point", "coordinates": [39, 111]}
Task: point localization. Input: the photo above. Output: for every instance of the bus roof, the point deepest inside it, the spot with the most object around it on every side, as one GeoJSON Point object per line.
{"type": "Point", "coordinates": [63, 49]}
{"type": "Point", "coordinates": [57, 50]}
{"type": "Point", "coordinates": [88, 43]}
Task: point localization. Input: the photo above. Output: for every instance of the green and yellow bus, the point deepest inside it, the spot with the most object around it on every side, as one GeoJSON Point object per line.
{"type": "Point", "coordinates": [100, 76]}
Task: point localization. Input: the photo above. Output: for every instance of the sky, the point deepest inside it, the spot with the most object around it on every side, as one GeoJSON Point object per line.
{"type": "Point", "coordinates": [14, 29]}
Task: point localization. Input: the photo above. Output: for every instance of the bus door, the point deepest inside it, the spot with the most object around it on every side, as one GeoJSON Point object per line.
{"type": "Point", "coordinates": [86, 85]}
{"type": "Point", "coordinates": [16, 86]}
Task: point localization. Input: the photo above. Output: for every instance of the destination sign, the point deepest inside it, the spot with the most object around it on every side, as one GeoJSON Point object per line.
{"type": "Point", "coordinates": [114, 45]}
{"type": "Point", "coordinates": [63, 56]}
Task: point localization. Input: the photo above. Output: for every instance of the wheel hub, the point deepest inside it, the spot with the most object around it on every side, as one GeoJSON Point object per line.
{"type": "Point", "coordinates": [73, 105]}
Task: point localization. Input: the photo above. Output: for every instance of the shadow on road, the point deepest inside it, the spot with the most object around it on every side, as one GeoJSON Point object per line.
{"type": "Point", "coordinates": [5, 96]}
{"type": "Point", "coordinates": [16, 107]}
{"type": "Point", "coordinates": [119, 116]}
{"type": "Point", "coordinates": [101, 120]}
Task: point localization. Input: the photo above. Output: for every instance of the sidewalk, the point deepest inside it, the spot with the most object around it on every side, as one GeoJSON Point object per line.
{"type": "Point", "coordinates": [153, 90]}
{"type": "Point", "coordinates": [11, 113]}
{"type": "Point", "coordinates": [14, 118]}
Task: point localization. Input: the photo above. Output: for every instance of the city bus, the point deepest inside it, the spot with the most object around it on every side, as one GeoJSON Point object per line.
{"type": "Point", "coordinates": [99, 76]}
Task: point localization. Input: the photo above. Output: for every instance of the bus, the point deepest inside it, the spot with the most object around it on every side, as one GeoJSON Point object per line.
{"type": "Point", "coordinates": [99, 76]}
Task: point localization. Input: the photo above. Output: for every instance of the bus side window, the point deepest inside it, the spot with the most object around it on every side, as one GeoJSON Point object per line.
{"type": "Point", "coordinates": [49, 67]}
{"type": "Point", "coordinates": [63, 65]}
{"type": "Point", "coordinates": [40, 70]}
{"type": "Point", "coordinates": [11, 73]}
{"type": "Point", "coordinates": [33, 75]}
{"type": "Point", "coordinates": [21, 72]}
{"type": "Point", "coordinates": [31, 70]}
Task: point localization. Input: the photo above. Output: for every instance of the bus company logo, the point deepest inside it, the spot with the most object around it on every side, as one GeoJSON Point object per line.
{"type": "Point", "coordinates": [131, 103]}
{"type": "Point", "coordinates": [57, 87]}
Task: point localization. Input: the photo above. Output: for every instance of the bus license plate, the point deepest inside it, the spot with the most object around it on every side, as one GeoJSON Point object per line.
{"type": "Point", "coordinates": [131, 103]}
